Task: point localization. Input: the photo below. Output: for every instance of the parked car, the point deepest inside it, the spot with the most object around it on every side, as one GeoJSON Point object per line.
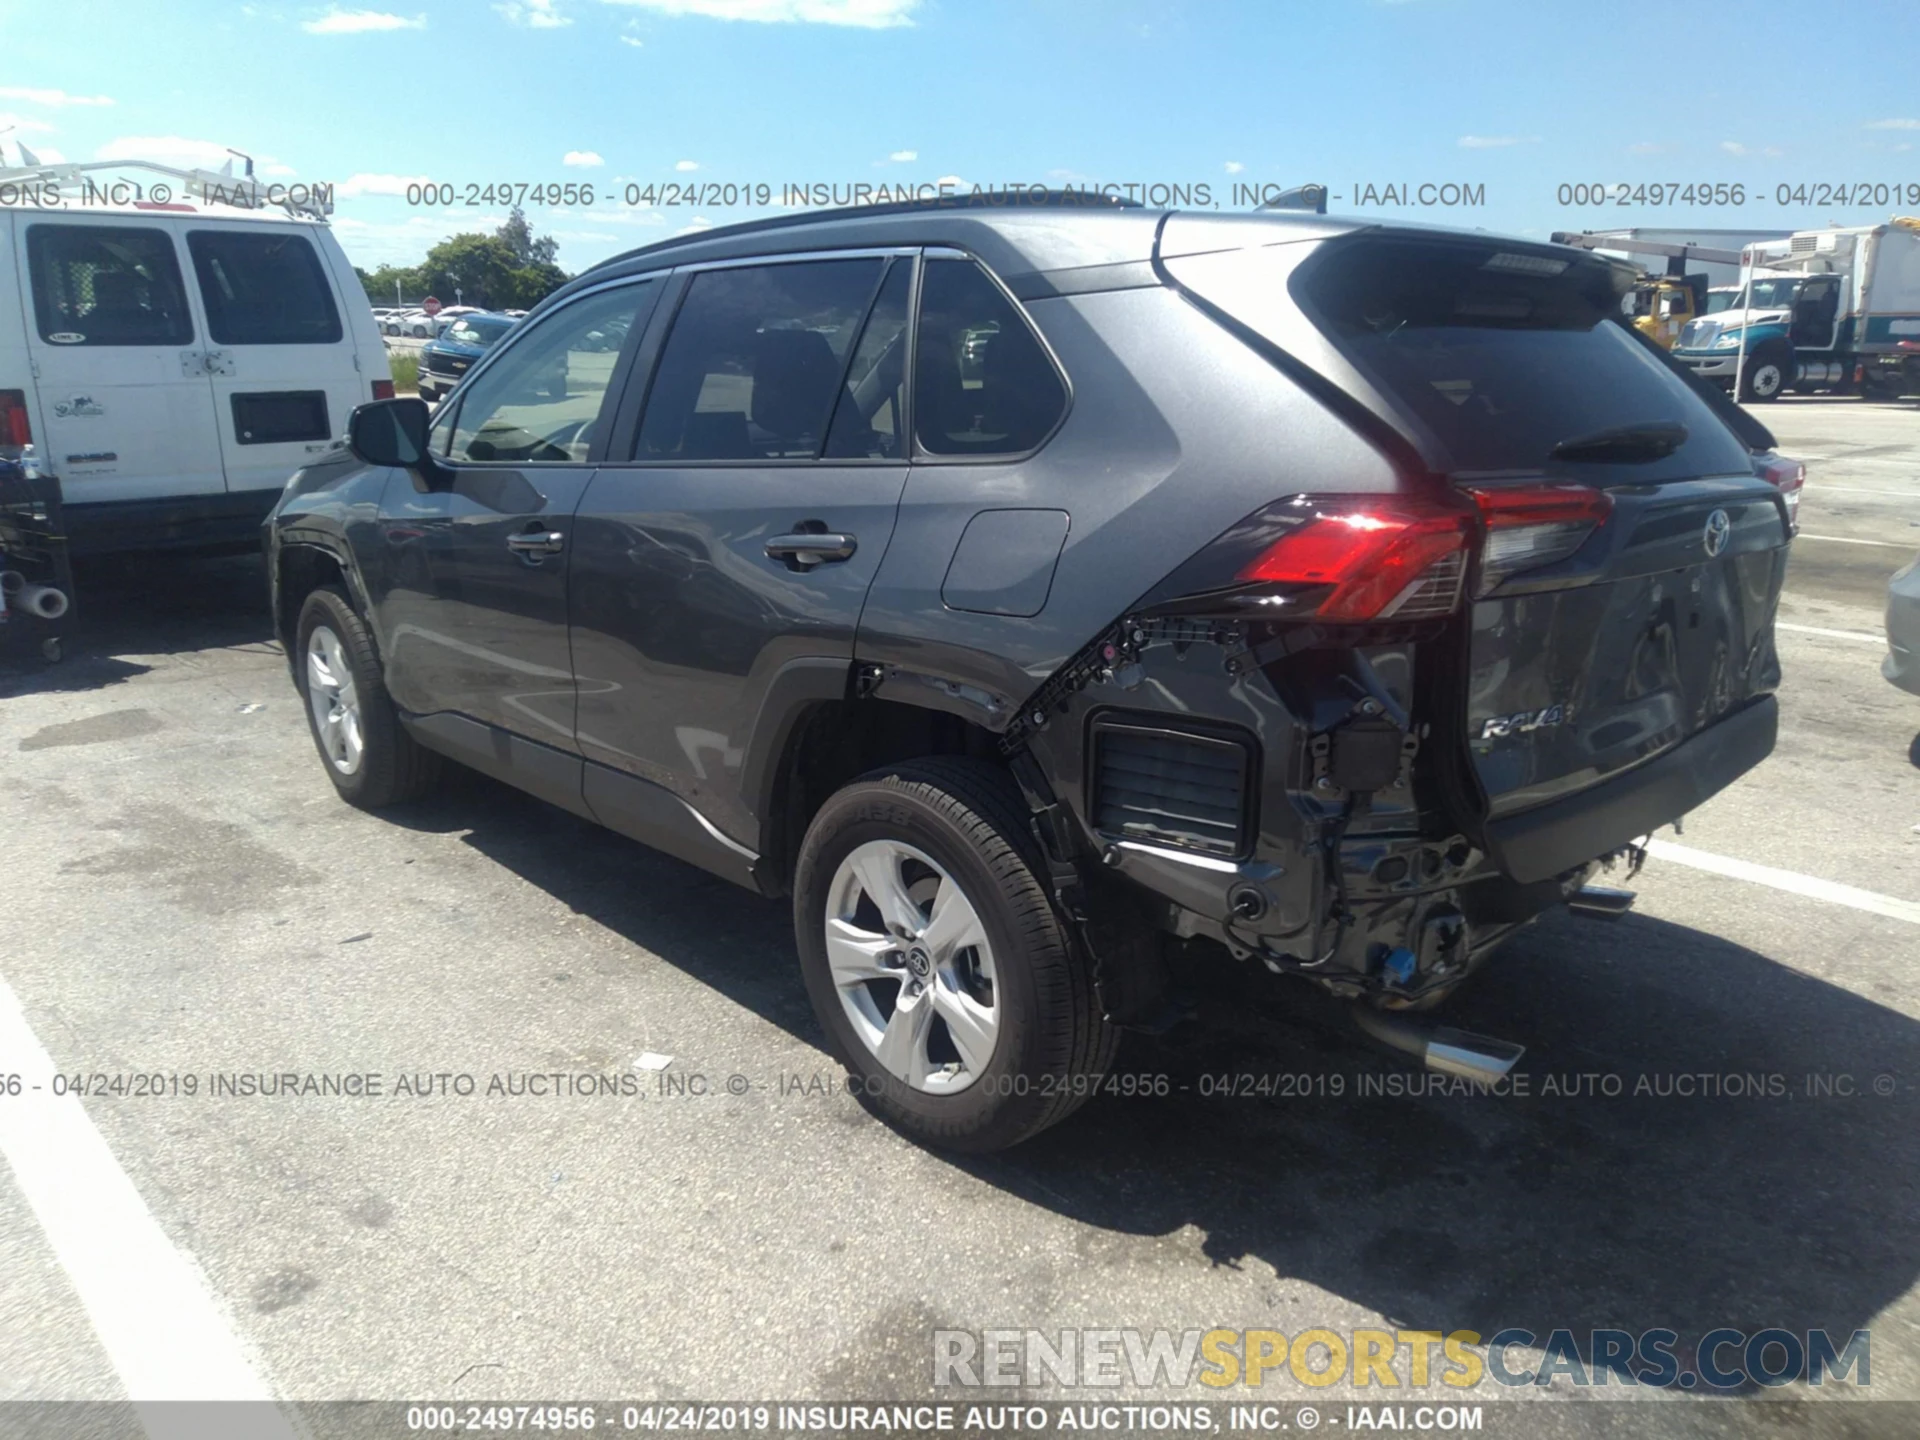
{"type": "Point", "coordinates": [450, 354]}
{"type": "Point", "coordinates": [175, 366]}
{"type": "Point", "coordinates": [1342, 595]}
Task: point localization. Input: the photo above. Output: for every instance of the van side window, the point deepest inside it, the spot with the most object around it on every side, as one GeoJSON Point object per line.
{"type": "Point", "coordinates": [539, 399]}
{"type": "Point", "coordinates": [754, 361]}
{"type": "Point", "coordinates": [264, 289]}
{"type": "Point", "coordinates": [982, 382]}
{"type": "Point", "coordinates": [106, 285]}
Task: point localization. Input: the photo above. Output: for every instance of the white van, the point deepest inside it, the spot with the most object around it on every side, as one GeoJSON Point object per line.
{"type": "Point", "coordinates": [173, 364]}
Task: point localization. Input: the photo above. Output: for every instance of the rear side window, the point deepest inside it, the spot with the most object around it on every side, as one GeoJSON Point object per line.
{"type": "Point", "coordinates": [1502, 355]}
{"type": "Point", "coordinates": [263, 289]}
{"type": "Point", "coordinates": [754, 361]}
{"type": "Point", "coordinates": [106, 285]}
{"type": "Point", "coordinates": [982, 382]}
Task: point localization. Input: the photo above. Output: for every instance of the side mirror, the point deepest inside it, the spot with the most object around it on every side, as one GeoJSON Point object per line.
{"type": "Point", "coordinates": [389, 432]}
{"type": "Point", "coordinates": [393, 433]}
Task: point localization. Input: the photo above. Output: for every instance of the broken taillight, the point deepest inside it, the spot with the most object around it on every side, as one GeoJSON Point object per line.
{"type": "Point", "coordinates": [1789, 477]}
{"type": "Point", "coordinates": [383, 389]}
{"type": "Point", "coordinates": [1533, 524]}
{"type": "Point", "coordinates": [1382, 558]}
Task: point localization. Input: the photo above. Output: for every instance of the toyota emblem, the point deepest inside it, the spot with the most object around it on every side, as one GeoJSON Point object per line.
{"type": "Point", "coordinates": [1719, 527]}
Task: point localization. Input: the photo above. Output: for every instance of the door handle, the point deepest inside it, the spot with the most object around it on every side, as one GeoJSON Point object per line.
{"type": "Point", "coordinates": [804, 550]}
{"type": "Point", "coordinates": [536, 542]}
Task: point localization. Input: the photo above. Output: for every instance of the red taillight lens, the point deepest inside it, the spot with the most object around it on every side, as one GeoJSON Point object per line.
{"type": "Point", "coordinates": [1789, 477]}
{"type": "Point", "coordinates": [1535, 524]}
{"type": "Point", "coordinates": [383, 389]}
{"type": "Point", "coordinates": [15, 428]}
{"type": "Point", "coordinates": [1385, 559]}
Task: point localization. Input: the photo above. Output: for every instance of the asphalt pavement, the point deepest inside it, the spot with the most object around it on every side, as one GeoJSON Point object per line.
{"type": "Point", "coordinates": [184, 896]}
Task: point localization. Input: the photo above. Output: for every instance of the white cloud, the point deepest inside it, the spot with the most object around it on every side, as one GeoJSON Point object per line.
{"type": "Point", "coordinates": [1871, 124]}
{"type": "Point", "coordinates": [582, 159]}
{"type": "Point", "coordinates": [901, 157]}
{"type": "Point", "coordinates": [1645, 147]}
{"type": "Point", "coordinates": [686, 165]}
{"type": "Point", "coordinates": [21, 122]}
{"type": "Point", "coordinates": [1234, 167]}
{"type": "Point", "coordinates": [700, 222]}
{"type": "Point", "coordinates": [1733, 147]}
{"type": "Point", "coordinates": [273, 169]}
{"type": "Point", "coordinates": [51, 97]}
{"type": "Point", "coordinates": [359, 22]}
{"type": "Point", "coordinates": [47, 155]}
{"type": "Point", "coordinates": [954, 180]}
{"type": "Point", "coordinates": [533, 14]}
{"type": "Point", "coordinates": [864, 14]}
{"type": "Point", "coordinates": [374, 184]}
{"type": "Point", "coordinates": [1496, 142]}
{"type": "Point", "coordinates": [634, 41]}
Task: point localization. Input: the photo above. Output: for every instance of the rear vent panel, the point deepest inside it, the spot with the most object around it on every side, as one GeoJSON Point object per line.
{"type": "Point", "coordinates": [1170, 787]}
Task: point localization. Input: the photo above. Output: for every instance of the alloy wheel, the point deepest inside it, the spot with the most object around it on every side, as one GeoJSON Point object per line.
{"type": "Point", "coordinates": [912, 966]}
{"type": "Point", "coordinates": [335, 702]}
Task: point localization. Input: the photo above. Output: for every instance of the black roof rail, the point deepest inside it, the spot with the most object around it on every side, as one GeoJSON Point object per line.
{"type": "Point", "coordinates": [1005, 200]}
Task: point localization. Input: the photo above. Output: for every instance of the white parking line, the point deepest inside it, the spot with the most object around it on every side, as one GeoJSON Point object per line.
{"type": "Point", "coordinates": [1788, 880]}
{"type": "Point", "coordinates": [1849, 540]}
{"type": "Point", "coordinates": [1863, 636]}
{"type": "Point", "coordinates": [154, 1312]}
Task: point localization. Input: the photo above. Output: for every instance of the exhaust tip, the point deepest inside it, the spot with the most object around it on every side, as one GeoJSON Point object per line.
{"type": "Point", "coordinates": [1440, 1048]}
{"type": "Point", "coordinates": [1600, 902]}
{"type": "Point", "coordinates": [1472, 1057]}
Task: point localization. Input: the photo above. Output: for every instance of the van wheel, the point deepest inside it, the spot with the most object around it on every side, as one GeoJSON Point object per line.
{"type": "Point", "coordinates": [370, 758]}
{"type": "Point", "coordinates": [964, 1013]}
{"type": "Point", "coordinates": [1766, 375]}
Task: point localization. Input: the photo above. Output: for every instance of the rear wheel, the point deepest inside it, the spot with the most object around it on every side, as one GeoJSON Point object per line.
{"type": "Point", "coordinates": [936, 963]}
{"type": "Point", "coordinates": [370, 758]}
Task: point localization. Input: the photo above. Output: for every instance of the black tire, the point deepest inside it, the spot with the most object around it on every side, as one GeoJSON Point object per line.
{"type": "Point", "coordinates": [1052, 1044]}
{"type": "Point", "coordinates": [392, 766]}
{"type": "Point", "coordinates": [1767, 375]}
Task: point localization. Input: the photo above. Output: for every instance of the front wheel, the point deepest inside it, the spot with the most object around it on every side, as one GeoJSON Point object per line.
{"type": "Point", "coordinates": [965, 1014]}
{"type": "Point", "coordinates": [1767, 374]}
{"type": "Point", "coordinates": [369, 757]}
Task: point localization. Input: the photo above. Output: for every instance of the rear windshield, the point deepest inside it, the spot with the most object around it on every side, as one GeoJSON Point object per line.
{"type": "Point", "coordinates": [1501, 355]}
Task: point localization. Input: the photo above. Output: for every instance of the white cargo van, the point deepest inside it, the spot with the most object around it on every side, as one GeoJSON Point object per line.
{"type": "Point", "coordinates": [173, 363]}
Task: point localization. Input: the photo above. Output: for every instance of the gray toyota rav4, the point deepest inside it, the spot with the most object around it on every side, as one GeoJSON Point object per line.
{"type": "Point", "coordinates": [1031, 593]}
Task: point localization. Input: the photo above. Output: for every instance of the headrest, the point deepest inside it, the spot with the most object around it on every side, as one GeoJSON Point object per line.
{"type": "Point", "coordinates": [794, 372]}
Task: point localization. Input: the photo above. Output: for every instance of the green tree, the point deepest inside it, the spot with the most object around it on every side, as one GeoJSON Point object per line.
{"type": "Point", "coordinates": [380, 283]}
{"type": "Point", "coordinates": [527, 249]}
{"type": "Point", "coordinates": [511, 269]}
{"type": "Point", "coordinates": [475, 269]}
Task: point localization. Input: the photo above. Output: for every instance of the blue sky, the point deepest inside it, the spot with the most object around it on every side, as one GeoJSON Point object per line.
{"type": "Point", "coordinates": [1514, 97]}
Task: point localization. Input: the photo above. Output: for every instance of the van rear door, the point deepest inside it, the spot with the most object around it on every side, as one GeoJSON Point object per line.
{"type": "Point", "coordinates": [115, 356]}
{"type": "Point", "coordinates": [279, 357]}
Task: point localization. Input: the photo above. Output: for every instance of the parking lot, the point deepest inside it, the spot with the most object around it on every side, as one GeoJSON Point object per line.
{"type": "Point", "coordinates": [185, 896]}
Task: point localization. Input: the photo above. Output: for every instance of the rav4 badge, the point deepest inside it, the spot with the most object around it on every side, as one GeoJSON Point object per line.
{"type": "Point", "coordinates": [1498, 727]}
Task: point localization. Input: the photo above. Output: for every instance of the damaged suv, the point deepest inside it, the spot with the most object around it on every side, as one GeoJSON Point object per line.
{"type": "Point", "coordinates": [1025, 590]}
